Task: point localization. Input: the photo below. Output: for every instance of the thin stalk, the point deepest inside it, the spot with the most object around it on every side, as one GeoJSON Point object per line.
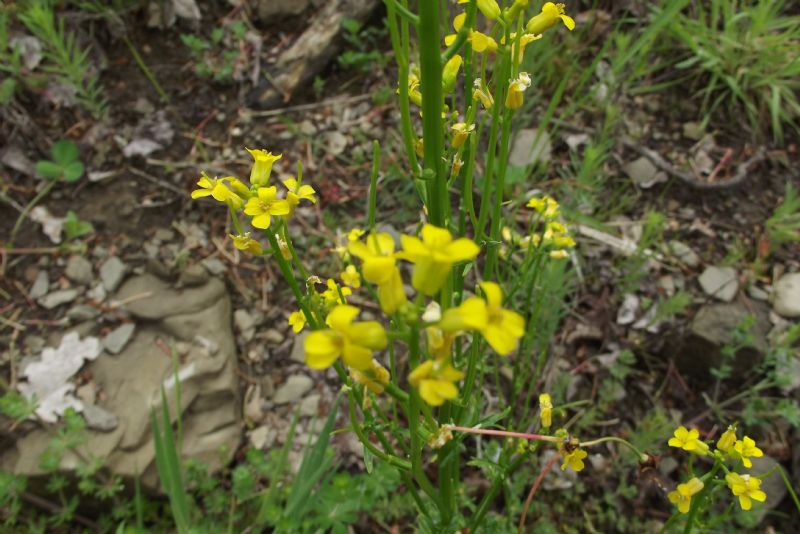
{"type": "Point", "coordinates": [288, 275]}
{"type": "Point", "coordinates": [362, 437]}
{"type": "Point", "coordinates": [373, 184]}
{"type": "Point", "coordinates": [146, 70]}
{"type": "Point", "coordinates": [39, 196]}
{"type": "Point", "coordinates": [432, 105]}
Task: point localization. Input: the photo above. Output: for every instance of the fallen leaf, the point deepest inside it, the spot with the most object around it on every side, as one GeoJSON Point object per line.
{"type": "Point", "coordinates": [48, 379]}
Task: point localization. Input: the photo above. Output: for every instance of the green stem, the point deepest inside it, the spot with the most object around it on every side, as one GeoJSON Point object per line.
{"type": "Point", "coordinates": [402, 10]}
{"type": "Point", "coordinates": [288, 275]}
{"type": "Point", "coordinates": [146, 70]}
{"type": "Point", "coordinates": [364, 439]}
{"type": "Point", "coordinates": [432, 105]}
{"type": "Point", "coordinates": [39, 196]}
{"type": "Point", "coordinates": [373, 184]}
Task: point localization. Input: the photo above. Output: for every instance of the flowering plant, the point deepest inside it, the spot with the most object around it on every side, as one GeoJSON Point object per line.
{"type": "Point", "coordinates": [458, 295]}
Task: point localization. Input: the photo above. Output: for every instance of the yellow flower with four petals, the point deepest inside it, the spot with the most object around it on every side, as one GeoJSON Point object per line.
{"type": "Point", "coordinates": [353, 341]}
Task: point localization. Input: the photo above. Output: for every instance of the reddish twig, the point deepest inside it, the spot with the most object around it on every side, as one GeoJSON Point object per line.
{"type": "Point", "coordinates": [536, 483]}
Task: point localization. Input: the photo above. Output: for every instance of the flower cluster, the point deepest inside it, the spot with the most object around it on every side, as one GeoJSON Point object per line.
{"type": "Point", "coordinates": [728, 448]}
{"type": "Point", "coordinates": [260, 201]}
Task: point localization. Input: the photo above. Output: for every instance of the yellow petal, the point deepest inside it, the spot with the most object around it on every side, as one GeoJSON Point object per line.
{"type": "Point", "coordinates": [433, 236]}
{"type": "Point", "coordinates": [428, 277]}
{"type": "Point", "coordinates": [449, 39]}
{"type": "Point", "coordinates": [568, 22]}
{"type": "Point", "coordinates": [356, 356]}
{"type": "Point", "coordinates": [378, 269]}
{"type": "Point", "coordinates": [458, 22]}
{"type": "Point", "coordinates": [513, 323]}
{"type": "Point", "coordinates": [341, 317]}
{"type": "Point", "coordinates": [421, 372]}
{"type": "Point", "coordinates": [261, 221]}
{"type": "Point", "coordinates": [499, 339]}
{"type": "Point", "coordinates": [279, 207]}
{"type": "Point", "coordinates": [370, 334]}
{"type": "Point", "coordinates": [391, 294]}
{"type": "Point", "coordinates": [199, 193]}
{"type": "Point", "coordinates": [413, 248]}
{"type": "Point", "coordinates": [493, 293]}
{"type": "Point", "coordinates": [321, 349]}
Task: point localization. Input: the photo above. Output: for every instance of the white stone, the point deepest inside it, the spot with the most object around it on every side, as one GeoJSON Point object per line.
{"type": "Point", "coordinates": [786, 295]}
{"type": "Point", "coordinates": [720, 282]}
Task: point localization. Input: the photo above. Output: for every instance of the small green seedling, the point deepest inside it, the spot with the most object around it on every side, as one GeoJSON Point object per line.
{"type": "Point", "coordinates": [74, 227]}
{"type": "Point", "coordinates": [65, 162]}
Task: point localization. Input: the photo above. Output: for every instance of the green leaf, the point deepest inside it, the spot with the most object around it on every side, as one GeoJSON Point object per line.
{"type": "Point", "coordinates": [7, 88]}
{"type": "Point", "coordinates": [64, 152]}
{"type": "Point", "coordinates": [74, 227]}
{"type": "Point", "coordinates": [48, 169]}
{"type": "Point", "coordinates": [73, 171]}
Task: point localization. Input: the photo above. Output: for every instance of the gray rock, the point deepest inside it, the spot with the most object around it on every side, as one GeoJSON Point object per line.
{"type": "Point", "coordinates": [262, 437]}
{"type": "Point", "coordinates": [116, 340]}
{"type": "Point", "coordinates": [215, 266]}
{"type": "Point", "coordinates": [274, 336]}
{"type": "Point", "coordinates": [79, 270]}
{"type": "Point", "coordinates": [786, 295]}
{"type": "Point", "coordinates": [97, 293]}
{"type": "Point", "coordinates": [643, 173]}
{"type": "Point", "coordinates": [57, 298]}
{"type": "Point", "coordinates": [720, 282]}
{"type": "Point", "coordinates": [757, 293]}
{"type": "Point", "coordinates": [712, 328]}
{"type": "Point", "coordinates": [772, 485]}
{"type": "Point", "coordinates": [40, 286]}
{"type": "Point", "coordinates": [100, 419]}
{"type": "Point", "coordinates": [529, 147]}
{"type": "Point", "coordinates": [155, 299]}
{"type": "Point", "coordinates": [81, 312]}
{"type": "Point", "coordinates": [298, 353]}
{"type": "Point", "coordinates": [335, 142]}
{"type": "Point", "coordinates": [293, 389]}
{"type": "Point", "coordinates": [164, 234]}
{"type": "Point", "coordinates": [112, 272]}
{"type": "Point", "coordinates": [693, 131]}
{"type": "Point", "coordinates": [310, 405]}
{"type": "Point", "coordinates": [245, 323]}
{"type": "Point", "coordinates": [131, 381]}
{"type": "Point", "coordinates": [684, 253]}
{"type": "Point", "coordinates": [193, 275]}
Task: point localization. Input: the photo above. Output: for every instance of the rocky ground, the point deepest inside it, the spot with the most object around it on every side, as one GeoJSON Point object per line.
{"type": "Point", "coordinates": [158, 280]}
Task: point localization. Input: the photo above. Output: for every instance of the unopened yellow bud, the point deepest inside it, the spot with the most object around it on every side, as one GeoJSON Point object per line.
{"type": "Point", "coordinates": [450, 73]}
{"type": "Point", "coordinates": [460, 133]}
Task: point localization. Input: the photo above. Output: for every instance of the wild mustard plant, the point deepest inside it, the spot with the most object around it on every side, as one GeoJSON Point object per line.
{"type": "Point", "coordinates": [723, 474]}
{"type": "Point", "coordinates": [457, 296]}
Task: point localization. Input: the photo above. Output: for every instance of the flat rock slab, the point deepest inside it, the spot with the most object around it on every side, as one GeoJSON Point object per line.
{"type": "Point", "coordinates": [712, 328]}
{"type": "Point", "coordinates": [131, 382]}
{"type": "Point", "coordinates": [720, 282]}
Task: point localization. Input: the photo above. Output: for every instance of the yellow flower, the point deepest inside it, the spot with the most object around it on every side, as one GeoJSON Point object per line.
{"type": "Point", "coordinates": [353, 341]}
{"type": "Point", "coordinates": [436, 381]}
{"type": "Point", "coordinates": [262, 166]}
{"type": "Point", "coordinates": [744, 448]}
{"type": "Point", "coordinates": [480, 42]}
{"type": "Point", "coordinates": [489, 8]}
{"type": "Point", "coordinates": [247, 243]}
{"type": "Point", "coordinates": [355, 234]}
{"type": "Point", "coordinates": [747, 488]}
{"type": "Point", "coordinates": [516, 8]}
{"type": "Point", "coordinates": [573, 459]}
{"type": "Point", "coordinates": [551, 13]}
{"type": "Point", "coordinates": [559, 254]}
{"type": "Point", "coordinates": [216, 188]}
{"type": "Point", "coordinates": [524, 40]}
{"type": "Point", "coordinates": [375, 377]}
{"type": "Point", "coordinates": [413, 89]}
{"type": "Point", "coordinates": [334, 294]}
{"type": "Point", "coordinates": [434, 255]}
{"type": "Point", "coordinates": [439, 342]}
{"type": "Point", "coordinates": [450, 72]}
{"type": "Point", "coordinates": [514, 98]}
{"type": "Point", "coordinates": [563, 241]}
{"type": "Point", "coordinates": [298, 192]}
{"type": "Point", "coordinates": [546, 410]}
{"type": "Point", "coordinates": [380, 267]}
{"type": "Point", "coordinates": [264, 205]}
{"type": "Point", "coordinates": [297, 320]}
{"type": "Point", "coordinates": [501, 328]}
{"type": "Point", "coordinates": [727, 439]}
{"type": "Point", "coordinates": [455, 168]}
{"type": "Point", "coordinates": [682, 496]}
{"type": "Point", "coordinates": [688, 440]}
{"type": "Point", "coordinates": [460, 133]}
{"type": "Point", "coordinates": [351, 277]}
{"type": "Point", "coordinates": [545, 206]}
{"type": "Point", "coordinates": [482, 94]}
